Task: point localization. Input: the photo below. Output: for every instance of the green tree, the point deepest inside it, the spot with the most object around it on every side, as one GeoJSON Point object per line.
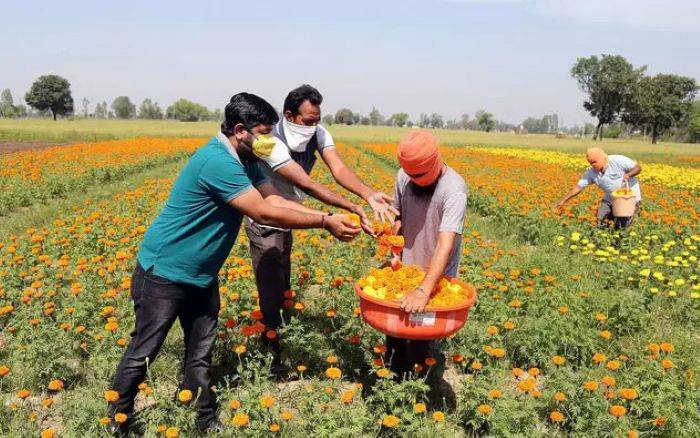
{"type": "Point", "coordinates": [609, 82]}
{"type": "Point", "coordinates": [328, 119]}
{"type": "Point", "coordinates": [485, 120]}
{"type": "Point", "coordinates": [375, 117]}
{"type": "Point", "coordinates": [86, 107]}
{"type": "Point", "coordinates": [150, 110]}
{"type": "Point", "coordinates": [660, 103]}
{"type": "Point", "coordinates": [101, 110]}
{"type": "Point", "coordinates": [7, 107]}
{"type": "Point", "coordinates": [398, 119]}
{"type": "Point", "coordinates": [187, 111]}
{"type": "Point", "coordinates": [50, 92]}
{"type": "Point", "coordinates": [423, 120]}
{"type": "Point", "coordinates": [694, 123]}
{"type": "Point", "coordinates": [344, 116]}
{"type": "Point", "coordinates": [436, 121]}
{"type": "Point", "coordinates": [123, 108]}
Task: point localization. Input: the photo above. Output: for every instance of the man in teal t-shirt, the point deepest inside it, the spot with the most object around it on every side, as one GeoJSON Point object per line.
{"type": "Point", "coordinates": [188, 243]}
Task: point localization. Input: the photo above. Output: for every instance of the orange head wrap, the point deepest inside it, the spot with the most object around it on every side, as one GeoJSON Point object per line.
{"type": "Point", "coordinates": [419, 156]}
{"type": "Point", "coordinates": [597, 158]}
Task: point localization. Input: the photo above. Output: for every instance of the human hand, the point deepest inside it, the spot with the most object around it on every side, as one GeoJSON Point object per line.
{"type": "Point", "coordinates": [340, 226]}
{"type": "Point", "coordinates": [382, 205]}
{"type": "Point", "coordinates": [415, 301]}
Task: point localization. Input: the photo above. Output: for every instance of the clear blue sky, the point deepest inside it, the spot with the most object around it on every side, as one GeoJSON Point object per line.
{"type": "Point", "coordinates": [511, 57]}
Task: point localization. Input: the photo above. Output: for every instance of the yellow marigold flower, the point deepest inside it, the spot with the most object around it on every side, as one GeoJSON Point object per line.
{"type": "Point", "coordinates": [172, 432]}
{"type": "Point", "coordinates": [184, 396]}
{"type": "Point", "coordinates": [495, 393]}
{"type": "Point", "coordinates": [599, 357]}
{"type": "Point", "coordinates": [605, 334]}
{"type": "Point", "coordinates": [332, 359]}
{"type": "Point", "coordinates": [390, 421]}
{"type": "Point", "coordinates": [267, 401]}
{"type": "Point", "coordinates": [286, 415]}
{"type": "Point", "coordinates": [534, 372]}
{"type": "Point", "coordinates": [527, 385]}
{"type": "Point", "coordinates": [301, 368]}
{"type": "Point", "coordinates": [559, 396]}
{"type": "Point", "coordinates": [161, 428]}
{"type": "Point", "coordinates": [419, 408]}
{"type": "Point", "coordinates": [48, 433]}
{"type": "Point", "coordinates": [347, 397]}
{"type": "Point", "coordinates": [274, 427]}
{"type": "Point", "coordinates": [492, 330]}
{"type": "Point", "coordinates": [240, 349]}
{"type": "Point", "coordinates": [613, 365]}
{"type": "Point", "coordinates": [383, 372]}
{"type": "Point", "coordinates": [558, 360]}
{"type": "Point", "coordinates": [498, 353]}
{"type": "Point", "coordinates": [240, 419]}
{"type": "Point", "coordinates": [333, 373]}
{"type": "Point", "coordinates": [120, 418]}
{"type": "Point", "coordinates": [509, 325]}
{"type": "Point", "coordinates": [438, 416]}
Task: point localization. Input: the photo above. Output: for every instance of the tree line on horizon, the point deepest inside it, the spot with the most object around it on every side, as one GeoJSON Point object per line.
{"type": "Point", "coordinates": [623, 99]}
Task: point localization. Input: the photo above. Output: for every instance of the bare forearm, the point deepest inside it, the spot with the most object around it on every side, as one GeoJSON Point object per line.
{"type": "Point", "coordinates": [281, 217]}
{"type": "Point", "coordinates": [329, 197]}
{"type": "Point", "coordinates": [437, 266]}
{"type": "Point", "coordinates": [572, 193]}
{"type": "Point", "coordinates": [351, 182]}
{"type": "Point", "coordinates": [279, 201]}
{"type": "Point", "coordinates": [636, 170]}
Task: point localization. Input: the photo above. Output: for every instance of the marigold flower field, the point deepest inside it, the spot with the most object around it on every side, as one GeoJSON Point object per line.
{"type": "Point", "coordinates": [576, 330]}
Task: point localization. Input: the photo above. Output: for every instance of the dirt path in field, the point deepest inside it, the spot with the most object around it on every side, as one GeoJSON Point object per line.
{"type": "Point", "coordinates": [10, 146]}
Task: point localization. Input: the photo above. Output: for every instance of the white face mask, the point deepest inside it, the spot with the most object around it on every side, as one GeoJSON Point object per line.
{"type": "Point", "coordinates": [298, 136]}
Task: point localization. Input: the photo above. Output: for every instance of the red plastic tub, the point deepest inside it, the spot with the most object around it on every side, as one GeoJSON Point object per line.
{"type": "Point", "coordinates": [432, 323]}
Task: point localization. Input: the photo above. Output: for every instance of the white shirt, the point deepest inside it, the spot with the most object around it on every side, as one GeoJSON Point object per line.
{"type": "Point", "coordinates": [611, 178]}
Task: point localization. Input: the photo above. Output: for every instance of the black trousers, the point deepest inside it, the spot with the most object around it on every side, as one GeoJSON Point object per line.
{"type": "Point", "coordinates": [157, 303]}
{"type": "Point", "coordinates": [271, 252]}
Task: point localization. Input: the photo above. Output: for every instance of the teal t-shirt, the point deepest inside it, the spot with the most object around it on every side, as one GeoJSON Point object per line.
{"type": "Point", "coordinates": [193, 235]}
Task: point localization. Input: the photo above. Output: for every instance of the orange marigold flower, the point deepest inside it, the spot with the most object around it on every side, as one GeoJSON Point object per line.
{"type": "Point", "coordinates": [605, 334]}
{"type": "Point", "coordinates": [390, 421]}
{"type": "Point", "coordinates": [618, 411]}
{"type": "Point", "coordinates": [383, 372]}
{"type": "Point", "coordinates": [495, 393]}
{"type": "Point", "coordinates": [628, 393]}
{"type": "Point", "coordinates": [558, 360]}
{"type": "Point", "coordinates": [559, 396]}
{"type": "Point", "coordinates": [666, 347]}
{"type": "Point", "coordinates": [274, 427]}
{"type": "Point", "coordinates": [419, 408]}
{"type": "Point", "coordinates": [430, 361]}
{"type": "Point", "coordinates": [498, 353]}
{"type": "Point", "coordinates": [438, 416]}
{"type": "Point", "coordinates": [172, 432]}
{"type": "Point", "coordinates": [659, 421]}
{"type": "Point", "coordinates": [484, 409]}
{"type": "Point", "coordinates": [347, 397]}
{"type": "Point", "coordinates": [599, 357]}
{"type": "Point", "coordinates": [590, 385]}
{"type": "Point", "coordinates": [267, 401]}
{"type": "Point", "coordinates": [4, 371]}
{"type": "Point", "coordinates": [234, 404]}
{"type": "Point", "coordinates": [120, 418]}
{"type": "Point", "coordinates": [111, 396]}
{"type": "Point", "coordinates": [608, 381]}
{"type": "Point", "coordinates": [56, 385]}
{"type": "Point", "coordinates": [667, 364]}
{"type": "Point", "coordinates": [556, 416]}
{"type": "Point", "coordinates": [527, 385]}
{"type": "Point", "coordinates": [240, 419]}
{"type": "Point", "coordinates": [613, 365]}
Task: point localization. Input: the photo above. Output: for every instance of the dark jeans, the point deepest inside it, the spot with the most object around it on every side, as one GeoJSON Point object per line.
{"type": "Point", "coordinates": [271, 252]}
{"type": "Point", "coordinates": [157, 303]}
{"type": "Point", "coordinates": [403, 354]}
{"type": "Point", "coordinates": [605, 216]}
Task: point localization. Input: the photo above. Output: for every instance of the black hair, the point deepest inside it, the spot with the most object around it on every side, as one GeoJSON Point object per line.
{"type": "Point", "coordinates": [300, 95]}
{"type": "Point", "coordinates": [248, 109]}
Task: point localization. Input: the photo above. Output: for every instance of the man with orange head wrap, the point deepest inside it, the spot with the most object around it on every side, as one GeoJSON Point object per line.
{"type": "Point", "coordinates": [609, 172]}
{"type": "Point", "coordinates": [432, 199]}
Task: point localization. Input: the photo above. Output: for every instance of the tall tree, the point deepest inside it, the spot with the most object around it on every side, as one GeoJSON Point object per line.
{"type": "Point", "coordinates": [423, 120]}
{"type": "Point", "coordinates": [609, 83]}
{"type": "Point", "coordinates": [7, 104]}
{"type": "Point", "coordinates": [375, 117]}
{"type": "Point", "coordinates": [661, 102]}
{"type": "Point", "coordinates": [436, 121]}
{"type": "Point", "coordinates": [50, 92]}
{"type": "Point", "coordinates": [123, 108]}
{"type": "Point", "coordinates": [150, 110]}
{"type": "Point", "coordinates": [101, 110]}
{"type": "Point", "coordinates": [464, 121]}
{"type": "Point", "coordinates": [328, 119]}
{"type": "Point", "coordinates": [86, 107]}
{"type": "Point", "coordinates": [485, 120]}
{"type": "Point", "coordinates": [694, 123]}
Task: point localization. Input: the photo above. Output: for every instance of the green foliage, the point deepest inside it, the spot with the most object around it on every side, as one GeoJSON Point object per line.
{"type": "Point", "coordinates": [694, 124]}
{"type": "Point", "coordinates": [50, 92]}
{"type": "Point", "coordinates": [187, 111]}
{"type": "Point", "coordinates": [150, 110]}
{"type": "Point", "coordinates": [123, 108]}
{"type": "Point", "coordinates": [661, 102]}
{"type": "Point", "coordinates": [485, 120]}
{"type": "Point", "coordinates": [398, 119]}
{"type": "Point", "coordinates": [344, 116]}
{"type": "Point", "coordinates": [608, 82]}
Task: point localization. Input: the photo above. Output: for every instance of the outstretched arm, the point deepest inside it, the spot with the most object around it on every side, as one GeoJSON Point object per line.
{"type": "Point", "coordinates": [378, 201]}
{"type": "Point", "coordinates": [575, 190]}
{"type": "Point", "coordinates": [271, 194]}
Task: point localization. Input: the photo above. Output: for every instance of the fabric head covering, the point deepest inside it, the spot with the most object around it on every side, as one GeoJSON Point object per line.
{"type": "Point", "coordinates": [597, 158]}
{"type": "Point", "coordinates": [419, 156]}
